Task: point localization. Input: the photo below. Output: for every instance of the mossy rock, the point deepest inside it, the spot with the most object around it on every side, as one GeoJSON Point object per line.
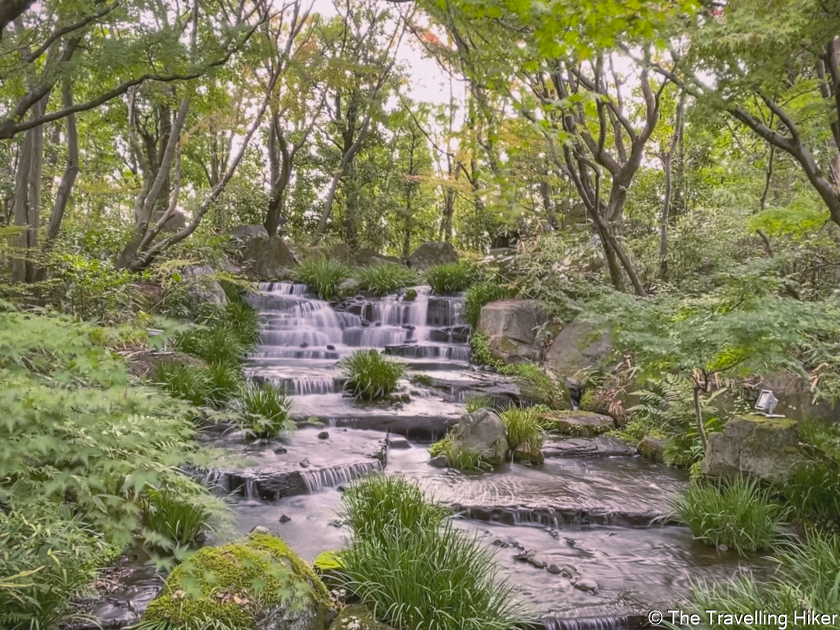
{"type": "Point", "coordinates": [328, 566]}
{"type": "Point", "coordinates": [257, 582]}
{"type": "Point", "coordinates": [652, 448]}
{"type": "Point", "coordinates": [356, 618]}
{"type": "Point", "coordinates": [579, 423]}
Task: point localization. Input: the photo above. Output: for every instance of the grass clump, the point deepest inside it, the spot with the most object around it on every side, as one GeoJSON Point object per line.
{"type": "Point", "coordinates": [482, 293]}
{"type": "Point", "coordinates": [739, 514]}
{"type": "Point", "coordinates": [523, 427]}
{"type": "Point", "coordinates": [370, 375]}
{"type": "Point", "coordinates": [188, 382]}
{"type": "Point", "coordinates": [323, 276]}
{"type": "Point", "coordinates": [385, 278]}
{"type": "Point", "coordinates": [452, 277]}
{"type": "Point", "coordinates": [474, 402]}
{"type": "Point", "coordinates": [414, 569]}
{"type": "Point", "coordinates": [458, 456]}
{"type": "Point", "coordinates": [266, 411]}
{"type": "Point", "coordinates": [813, 493]}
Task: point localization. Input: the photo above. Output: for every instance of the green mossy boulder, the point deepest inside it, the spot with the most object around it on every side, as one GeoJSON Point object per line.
{"type": "Point", "coordinates": [579, 423]}
{"type": "Point", "coordinates": [257, 583]}
{"type": "Point", "coordinates": [652, 448]}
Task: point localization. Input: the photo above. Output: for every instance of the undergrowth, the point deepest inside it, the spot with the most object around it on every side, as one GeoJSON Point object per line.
{"type": "Point", "coordinates": [322, 276]}
{"type": "Point", "coordinates": [452, 277]}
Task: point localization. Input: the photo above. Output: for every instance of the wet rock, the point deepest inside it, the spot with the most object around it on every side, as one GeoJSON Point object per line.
{"type": "Point", "coordinates": [554, 569]}
{"type": "Point", "coordinates": [110, 615]}
{"type": "Point", "coordinates": [526, 454]}
{"type": "Point", "coordinates": [510, 327]}
{"type": "Point", "coordinates": [410, 295]}
{"type": "Point", "coordinates": [580, 423]}
{"type": "Point", "coordinates": [304, 345]}
{"type": "Point", "coordinates": [397, 406]}
{"type": "Point", "coordinates": [398, 442]}
{"type": "Point", "coordinates": [579, 345]}
{"type": "Point", "coordinates": [330, 347]}
{"type": "Point", "coordinates": [430, 254]}
{"type": "Point", "coordinates": [268, 259]}
{"type": "Point", "coordinates": [600, 446]}
{"type": "Point", "coordinates": [280, 450]}
{"type": "Point", "coordinates": [285, 519]}
{"type": "Point", "coordinates": [531, 557]}
{"type": "Point", "coordinates": [323, 435]}
{"type": "Point", "coordinates": [483, 431]}
{"type": "Point", "coordinates": [259, 529]}
{"type": "Point", "coordinates": [305, 463]}
{"type": "Point", "coordinates": [766, 448]}
{"type": "Point", "coordinates": [439, 461]}
{"type": "Point", "coordinates": [586, 584]}
{"type": "Point", "coordinates": [652, 448]}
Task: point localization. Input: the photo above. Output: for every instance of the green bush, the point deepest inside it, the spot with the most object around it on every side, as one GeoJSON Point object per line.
{"type": "Point", "coordinates": [478, 295]}
{"type": "Point", "coordinates": [474, 402]}
{"type": "Point", "coordinates": [323, 276]}
{"type": "Point", "coordinates": [370, 375]}
{"type": "Point", "coordinates": [414, 569]}
{"type": "Point", "coordinates": [739, 514]}
{"type": "Point", "coordinates": [523, 427]}
{"type": "Point", "coordinates": [538, 385]}
{"type": "Point", "coordinates": [806, 578]}
{"type": "Point", "coordinates": [266, 411]}
{"type": "Point", "coordinates": [457, 456]}
{"type": "Point", "coordinates": [385, 278]}
{"type": "Point", "coordinates": [480, 351]}
{"type": "Point", "coordinates": [813, 493]}
{"type": "Point", "coordinates": [452, 277]}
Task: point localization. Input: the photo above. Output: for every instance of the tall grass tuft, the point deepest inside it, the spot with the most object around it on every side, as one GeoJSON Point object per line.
{"type": "Point", "coordinates": [523, 427]}
{"type": "Point", "coordinates": [813, 493]}
{"type": "Point", "coordinates": [385, 278]}
{"type": "Point", "coordinates": [458, 456]}
{"type": "Point", "coordinates": [739, 514]}
{"type": "Point", "coordinates": [478, 295]}
{"type": "Point", "coordinates": [414, 569]}
{"type": "Point", "coordinates": [189, 382]}
{"type": "Point", "coordinates": [370, 375]}
{"type": "Point", "coordinates": [175, 515]}
{"type": "Point", "coordinates": [474, 402]}
{"type": "Point", "coordinates": [452, 277]}
{"type": "Point", "coordinates": [323, 276]}
{"type": "Point", "coordinates": [266, 411]}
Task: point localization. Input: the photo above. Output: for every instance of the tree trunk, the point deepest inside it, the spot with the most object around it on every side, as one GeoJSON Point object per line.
{"type": "Point", "coordinates": [698, 418]}
{"type": "Point", "coordinates": [663, 220]}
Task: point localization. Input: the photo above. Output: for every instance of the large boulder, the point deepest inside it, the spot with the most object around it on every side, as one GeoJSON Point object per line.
{"type": "Point", "coordinates": [483, 431]}
{"type": "Point", "coordinates": [579, 423]}
{"type": "Point", "coordinates": [511, 329]}
{"type": "Point", "coordinates": [256, 583]}
{"type": "Point", "coordinates": [175, 223]}
{"type": "Point", "coordinates": [579, 345]}
{"type": "Point", "coordinates": [245, 233]}
{"type": "Point", "coordinates": [795, 398]}
{"type": "Point", "coordinates": [766, 448]}
{"type": "Point", "coordinates": [203, 286]}
{"type": "Point", "coordinates": [268, 259]}
{"type": "Point", "coordinates": [431, 254]}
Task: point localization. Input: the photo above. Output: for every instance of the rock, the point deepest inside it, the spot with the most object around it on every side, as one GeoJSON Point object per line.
{"type": "Point", "coordinates": [580, 423]}
{"type": "Point", "coordinates": [766, 448]}
{"type": "Point", "coordinates": [285, 519]}
{"type": "Point", "coordinates": [144, 364]}
{"type": "Point", "coordinates": [410, 295]}
{"type": "Point", "coordinates": [795, 396]}
{"type": "Point", "coordinates": [349, 286]}
{"type": "Point", "coordinates": [268, 259]}
{"type": "Point", "coordinates": [203, 286]}
{"type": "Point", "coordinates": [554, 569]}
{"type": "Point", "coordinates": [356, 617]}
{"type": "Point", "coordinates": [525, 454]}
{"type": "Point", "coordinates": [280, 450]}
{"type": "Point", "coordinates": [579, 345]}
{"type": "Point", "coordinates": [397, 442]}
{"type": "Point", "coordinates": [483, 431]}
{"type": "Point", "coordinates": [510, 327]}
{"type": "Point", "coordinates": [385, 260]}
{"type": "Point", "coordinates": [439, 461]}
{"type": "Point", "coordinates": [108, 615]}
{"type": "Point", "coordinates": [150, 294]}
{"type": "Point", "coordinates": [245, 233]}
{"type": "Point", "coordinates": [586, 584]}
{"type": "Point", "coordinates": [259, 529]}
{"type": "Point", "coordinates": [652, 448]}
{"type": "Point", "coordinates": [531, 557]}
{"type": "Point", "coordinates": [324, 435]}
{"type": "Point", "coordinates": [600, 446]}
{"type": "Point", "coordinates": [175, 223]}
{"type": "Point", "coordinates": [217, 582]}
{"type": "Point", "coordinates": [397, 406]}
{"type": "Point", "coordinates": [305, 463]}
{"type": "Point", "coordinates": [430, 254]}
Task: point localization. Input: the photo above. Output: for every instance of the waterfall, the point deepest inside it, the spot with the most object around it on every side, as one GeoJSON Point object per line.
{"type": "Point", "coordinates": [316, 480]}
{"type": "Point", "coordinates": [587, 623]}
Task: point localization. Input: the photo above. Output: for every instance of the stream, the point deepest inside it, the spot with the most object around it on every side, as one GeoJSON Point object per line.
{"type": "Point", "coordinates": [598, 520]}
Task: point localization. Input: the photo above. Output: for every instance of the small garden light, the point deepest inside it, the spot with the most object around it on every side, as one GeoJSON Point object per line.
{"type": "Point", "coordinates": [766, 402]}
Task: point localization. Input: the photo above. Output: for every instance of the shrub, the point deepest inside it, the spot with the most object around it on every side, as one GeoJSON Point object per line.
{"type": "Point", "coordinates": [538, 385]}
{"type": "Point", "coordinates": [226, 381]}
{"type": "Point", "coordinates": [480, 351]}
{"type": "Point", "coordinates": [414, 569]}
{"type": "Point", "coordinates": [452, 277]}
{"type": "Point", "coordinates": [483, 293]}
{"type": "Point", "coordinates": [323, 276]}
{"type": "Point", "coordinates": [266, 411]}
{"type": "Point", "coordinates": [385, 278]}
{"type": "Point", "coordinates": [189, 382]}
{"type": "Point", "coordinates": [370, 375]}
{"type": "Point", "coordinates": [474, 402]}
{"type": "Point", "coordinates": [457, 456]}
{"type": "Point", "coordinates": [813, 493]}
{"type": "Point", "coordinates": [523, 427]}
{"type": "Point", "coordinates": [738, 514]}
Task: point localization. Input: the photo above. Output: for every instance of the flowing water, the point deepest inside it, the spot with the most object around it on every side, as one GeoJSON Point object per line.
{"type": "Point", "coordinates": [598, 519]}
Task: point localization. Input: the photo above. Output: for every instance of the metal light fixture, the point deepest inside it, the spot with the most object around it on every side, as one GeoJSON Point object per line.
{"type": "Point", "coordinates": [766, 402]}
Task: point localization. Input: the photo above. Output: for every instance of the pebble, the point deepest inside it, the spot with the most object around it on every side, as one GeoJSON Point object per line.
{"type": "Point", "coordinates": [259, 529]}
{"type": "Point", "coordinates": [586, 585]}
{"type": "Point", "coordinates": [285, 519]}
{"type": "Point", "coordinates": [280, 450]}
{"type": "Point", "coordinates": [323, 435]}
{"type": "Point", "coordinates": [305, 463]}
{"type": "Point", "coordinates": [554, 569]}
{"type": "Point", "coordinates": [439, 461]}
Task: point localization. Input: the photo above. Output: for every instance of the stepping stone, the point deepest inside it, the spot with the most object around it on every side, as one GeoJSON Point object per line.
{"type": "Point", "coordinates": [579, 423]}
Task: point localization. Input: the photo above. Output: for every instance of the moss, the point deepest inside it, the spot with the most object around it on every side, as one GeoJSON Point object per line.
{"type": "Point", "coordinates": [777, 424]}
{"type": "Point", "coordinates": [578, 423]}
{"type": "Point", "coordinates": [410, 295]}
{"type": "Point", "coordinates": [328, 561]}
{"type": "Point", "coordinates": [356, 618]}
{"type": "Point", "coordinates": [234, 582]}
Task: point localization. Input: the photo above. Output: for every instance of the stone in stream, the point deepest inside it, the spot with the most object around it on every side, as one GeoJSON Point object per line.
{"type": "Point", "coordinates": [510, 327]}
{"type": "Point", "coordinates": [651, 448]}
{"type": "Point", "coordinates": [280, 450]}
{"type": "Point", "coordinates": [531, 557]}
{"type": "Point", "coordinates": [580, 423]}
{"type": "Point", "coordinates": [483, 431]}
{"type": "Point", "coordinates": [587, 584]}
{"type": "Point", "coordinates": [528, 455]}
{"type": "Point", "coordinates": [430, 254]}
{"type": "Point", "coordinates": [439, 461]}
{"type": "Point", "coordinates": [284, 518]}
{"type": "Point", "coordinates": [554, 569]}
{"type": "Point", "coordinates": [600, 446]}
{"type": "Point", "coordinates": [397, 442]}
{"type": "Point", "coordinates": [323, 435]}
{"type": "Point", "coordinates": [305, 463]}
{"type": "Point", "coordinates": [330, 347]}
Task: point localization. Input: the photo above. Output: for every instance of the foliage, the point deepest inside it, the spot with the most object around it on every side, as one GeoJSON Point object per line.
{"type": "Point", "coordinates": [457, 455]}
{"type": "Point", "coordinates": [538, 385]}
{"type": "Point", "coordinates": [452, 277]}
{"type": "Point", "coordinates": [266, 410]}
{"type": "Point", "coordinates": [480, 350]}
{"type": "Point", "coordinates": [385, 278]}
{"type": "Point", "coordinates": [474, 402]}
{"type": "Point", "coordinates": [414, 569]}
{"type": "Point", "coordinates": [175, 514]}
{"type": "Point", "coordinates": [813, 493]}
{"type": "Point", "coordinates": [523, 427]}
{"type": "Point", "coordinates": [189, 382]}
{"type": "Point", "coordinates": [322, 276]}
{"type": "Point", "coordinates": [739, 514]}
{"type": "Point", "coordinates": [370, 375]}
{"type": "Point", "coordinates": [478, 295]}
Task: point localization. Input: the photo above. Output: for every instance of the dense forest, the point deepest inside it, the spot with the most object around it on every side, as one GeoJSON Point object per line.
{"type": "Point", "coordinates": [527, 233]}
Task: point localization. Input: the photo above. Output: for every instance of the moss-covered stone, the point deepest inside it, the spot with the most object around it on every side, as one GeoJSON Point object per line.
{"type": "Point", "coordinates": [579, 423]}
{"type": "Point", "coordinates": [256, 583]}
{"type": "Point", "coordinates": [356, 618]}
{"type": "Point", "coordinates": [652, 448]}
{"type": "Point", "coordinates": [328, 566]}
